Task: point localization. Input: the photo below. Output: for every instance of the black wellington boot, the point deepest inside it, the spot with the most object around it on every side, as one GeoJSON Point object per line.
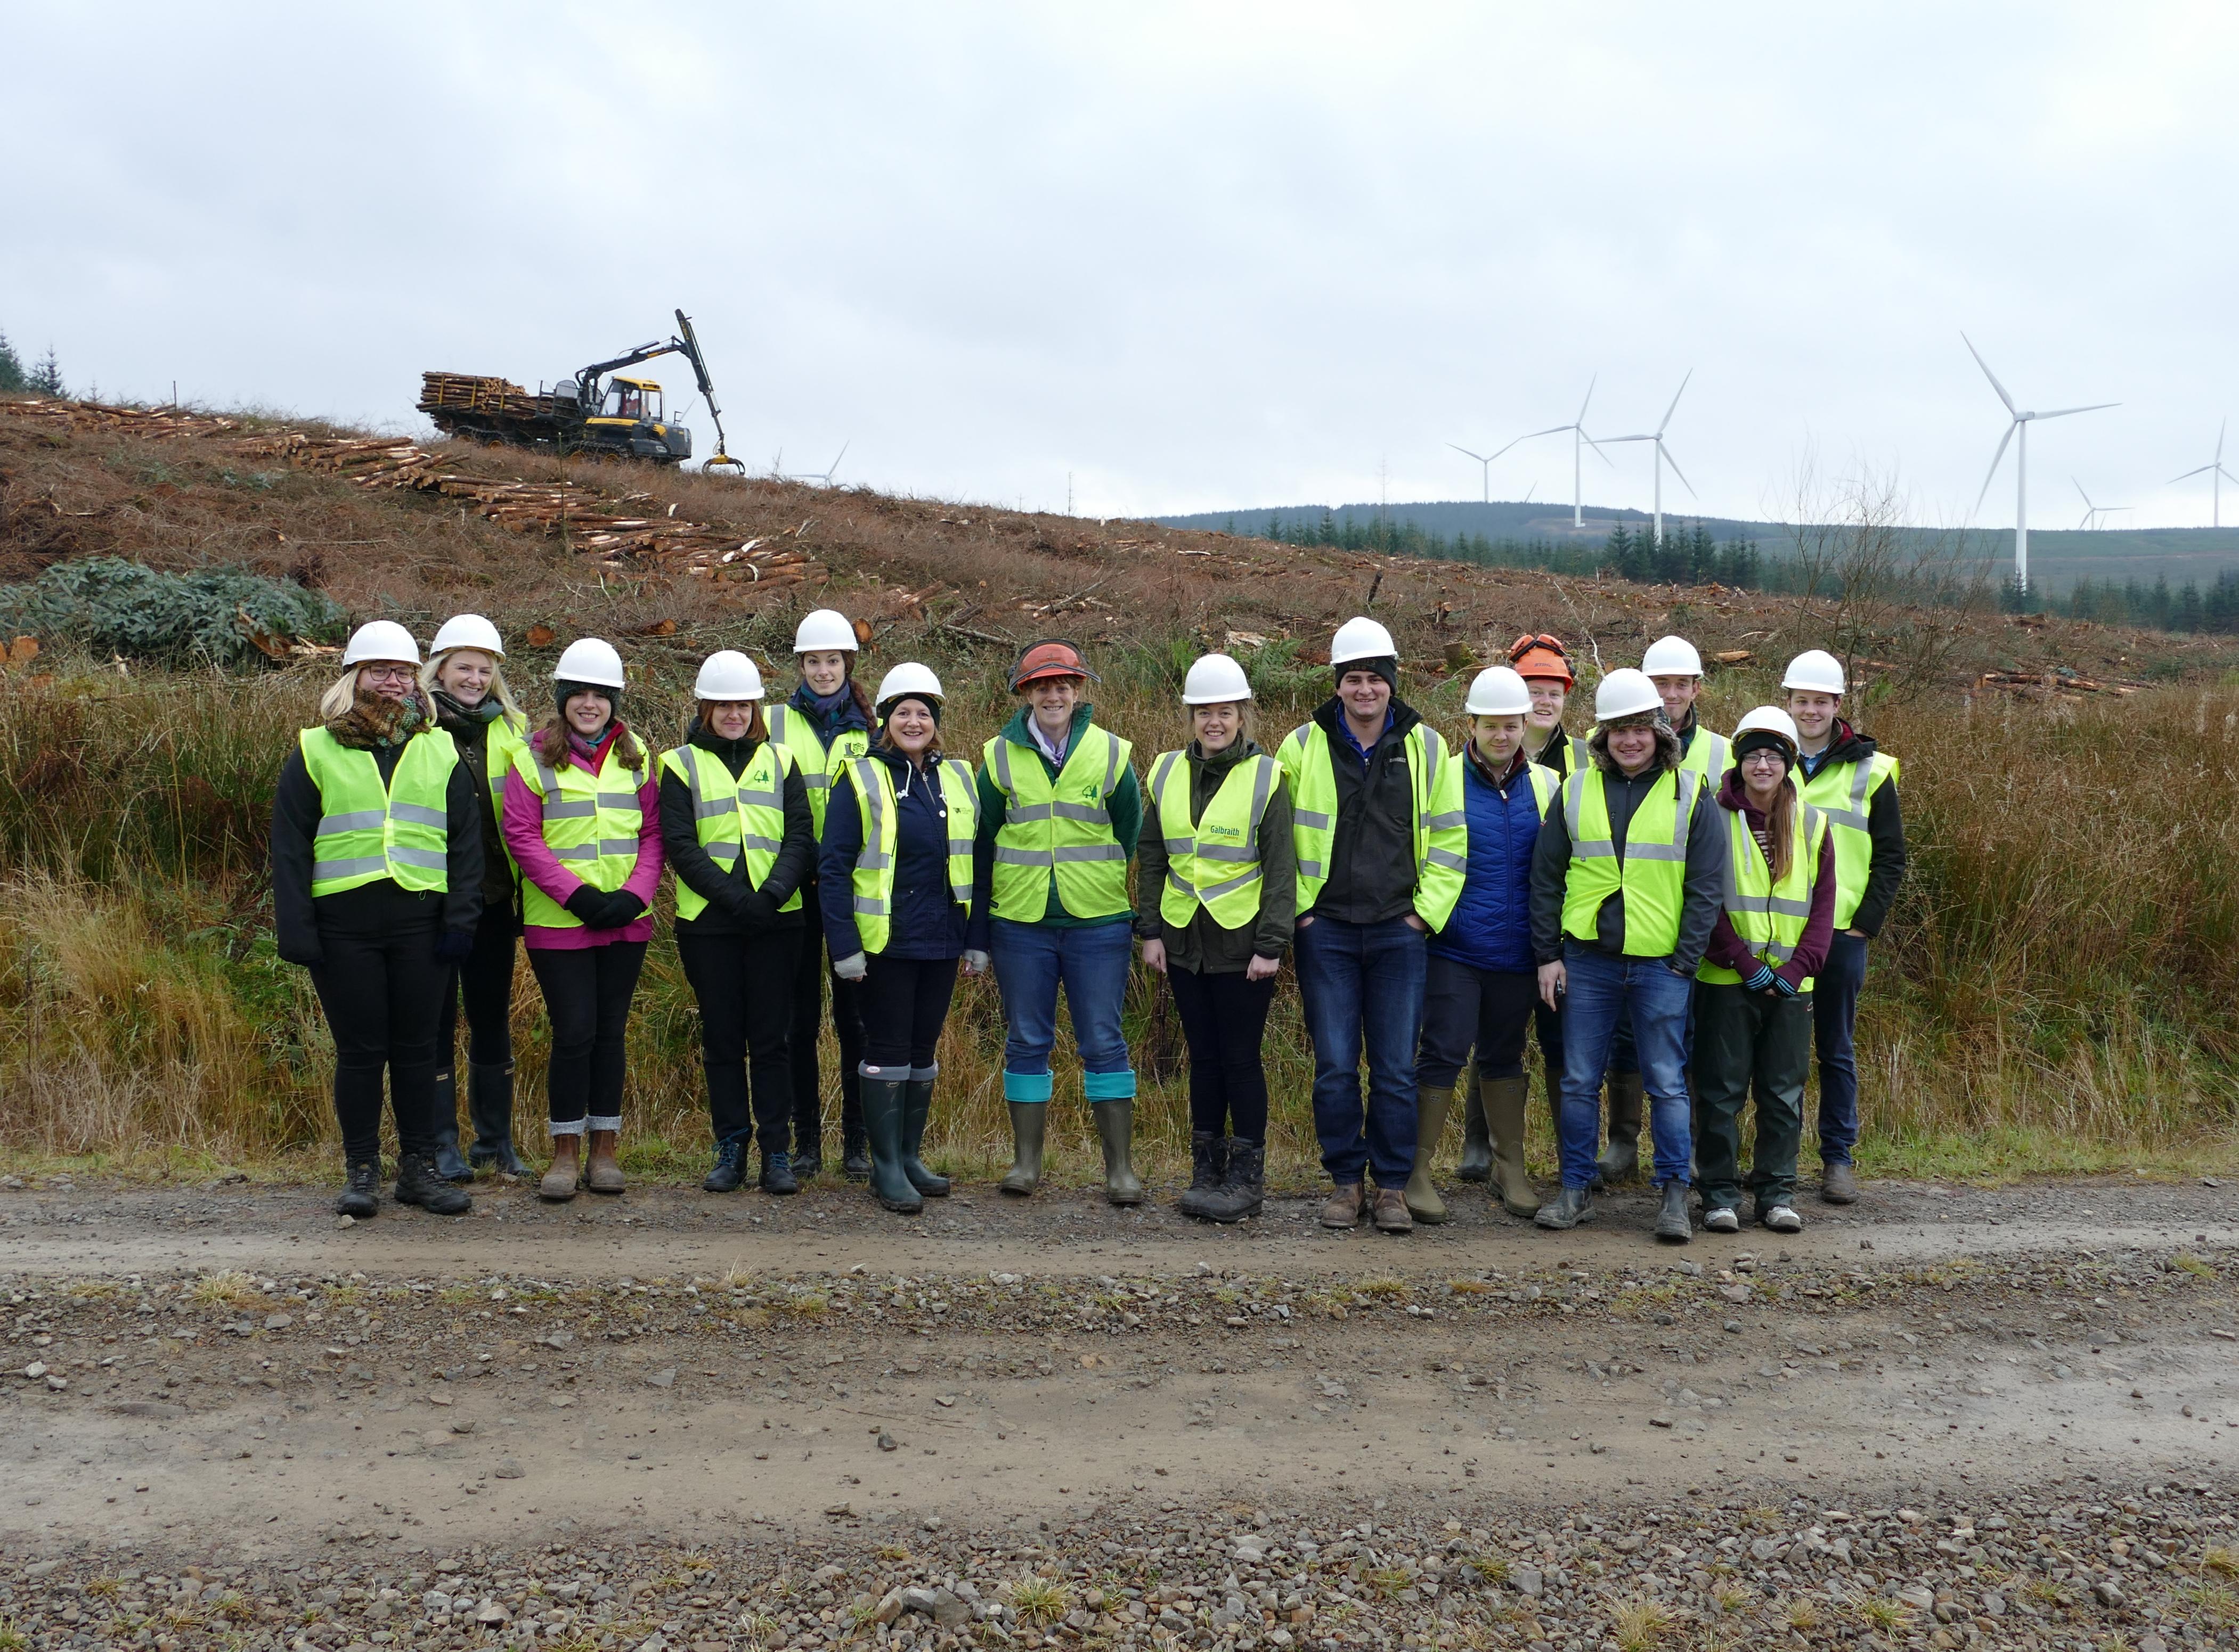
{"type": "Point", "coordinates": [1208, 1167]}
{"type": "Point", "coordinates": [917, 1107]}
{"type": "Point", "coordinates": [489, 1109]}
{"type": "Point", "coordinates": [1673, 1225]}
{"type": "Point", "coordinates": [449, 1163]}
{"type": "Point", "coordinates": [883, 1125]}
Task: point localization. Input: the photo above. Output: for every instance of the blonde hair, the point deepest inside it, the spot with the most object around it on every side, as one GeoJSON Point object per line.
{"type": "Point", "coordinates": [1246, 723]}
{"type": "Point", "coordinates": [497, 688]}
{"type": "Point", "coordinates": [340, 697]}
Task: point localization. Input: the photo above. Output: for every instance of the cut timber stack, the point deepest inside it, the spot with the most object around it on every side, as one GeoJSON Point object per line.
{"type": "Point", "coordinates": [475, 393]}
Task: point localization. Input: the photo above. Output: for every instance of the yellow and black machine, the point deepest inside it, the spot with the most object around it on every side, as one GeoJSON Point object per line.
{"type": "Point", "coordinates": [595, 409]}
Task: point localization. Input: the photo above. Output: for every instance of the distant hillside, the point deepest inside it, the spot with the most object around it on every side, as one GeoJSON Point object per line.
{"type": "Point", "coordinates": [2058, 557]}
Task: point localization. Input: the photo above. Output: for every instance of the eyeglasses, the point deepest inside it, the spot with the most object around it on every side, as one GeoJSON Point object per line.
{"type": "Point", "coordinates": [386, 674]}
{"type": "Point", "coordinates": [1767, 755]}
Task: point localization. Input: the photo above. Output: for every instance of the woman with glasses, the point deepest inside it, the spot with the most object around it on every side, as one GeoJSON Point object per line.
{"type": "Point", "coordinates": [377, 889]}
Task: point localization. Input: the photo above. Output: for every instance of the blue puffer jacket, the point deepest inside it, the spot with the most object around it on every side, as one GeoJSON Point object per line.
{"type": "Point", "coordinates": [1491, 928]}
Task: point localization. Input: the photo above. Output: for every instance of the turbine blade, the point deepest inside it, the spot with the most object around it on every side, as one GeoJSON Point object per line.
{"type": "Point", "coordinates": [1529, 434]}
{"type": "Point", "coordinates": [843, 454]}
{"type": "Point", "coordinates": [2079, 489]}
{"type": "Point", "coordinates": [2198, 470]}
{"type": "Point", "coordinates": [1597, 447]}
{"type": "Point", "coordinates": [2062, 413]}
{"type": "Point", "coordinates": [1987, 374]}
{"type": "Point", "coordinates": [1674, 408]}
{"type": "Point", "coordinates": [2084, 520]}
{"type": "Point", "coordinates": [1664, 452]}
{"type": "Point", "coordinates": [1479, 457]}
{"type": "Point", "coordinates": [1650, 437]}
{"type": "Point", "coordinates": [1590, 396]}
{"type": "Point", "coordinates": [2219, 440]}
{"type": "Point", "coordinates": [1991, 476]}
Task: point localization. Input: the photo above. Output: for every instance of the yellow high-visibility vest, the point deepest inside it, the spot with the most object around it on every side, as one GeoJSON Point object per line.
{"type": "Point", "coordinates": [1653, 871]}
{"type": "Point", "coordinates": [1059, 829]}
{"type": "Point", "coordinates": [591, 826]}
{"type": "Point", "coordinates": [873, 882]}
{"type": "Point", "coordinates": [820, 764]}
{"type": "Point", "coordinates": [369, 831]}
{"type": "Point", "coordinates": [1212, 861]}
{"type": "Point", "coordinates": [1710, 755]}
{"type": "Point", "coordinates": [1769, 916]}
{"type": "Point", "coordinates": [1843, 792]}
{"type": "Point", "coordinates": [732, 816]}
{"type": "Point", "coordinates": [1440, 822]}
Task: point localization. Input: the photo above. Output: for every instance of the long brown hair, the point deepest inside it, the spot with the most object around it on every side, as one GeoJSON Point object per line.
{"type": "Point", "coordinates": [1780, 826]}
{"type": "Point", "coordinates": [550, 743]}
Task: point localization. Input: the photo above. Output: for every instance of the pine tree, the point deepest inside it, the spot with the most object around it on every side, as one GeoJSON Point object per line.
{"type": "Point", "coordinates": [47, 377]}
{"type": "Point", "coordinates": [12, 376]}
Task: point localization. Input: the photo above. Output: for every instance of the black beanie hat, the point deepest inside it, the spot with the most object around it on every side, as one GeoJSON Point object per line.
{"type": "Point", "coordinates": [1384, 665]}
{"type": "Point", "coordinates": [887, 708]}
{"type": "Point", "coordinates": [1758, 740]}
{"type": "Point", "coordinates": [563, 691]}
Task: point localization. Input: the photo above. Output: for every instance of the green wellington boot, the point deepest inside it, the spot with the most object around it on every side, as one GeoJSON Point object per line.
{"type": "Point", "coordinates": [1432, 1107]}
{"type": "Point", "coordinates": [917, 1107]}
{"type": "Point", "coordinates": [1620, 1160]}
{"type": "Point", "coordinates": [882, 1123]}
{"type": "Point", "coordinates": [1505, 1100]}
{"type": "Point", "coordinates": [1027, 1119]}
{"type": "Point", "coordinates": [1115, 1127]}
{"type": "Point", "coordinates": [1477, 1143]}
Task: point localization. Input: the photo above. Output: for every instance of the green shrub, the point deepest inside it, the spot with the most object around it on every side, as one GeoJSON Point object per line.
{"type": "Point", "coordinates": [111, 607]}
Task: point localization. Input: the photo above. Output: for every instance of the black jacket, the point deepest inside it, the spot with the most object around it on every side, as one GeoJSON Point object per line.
{"type": "Point", "coordinates": [1884, 831]}
{"type": "Point", "coordinates": [380, 906]}
{"type": "Point", "coordinates": [1203, 948]}
{"type": "Point", "coordinates": [1371, 870]}
{"type": "Point", "coordinates": [1705, 877]}
{"type": "Point", "coordinates": [734, 906]}
{"type": "Point", "coordinates": [926, 922]}
{"type": "Point", "coordinates": [501, 882]}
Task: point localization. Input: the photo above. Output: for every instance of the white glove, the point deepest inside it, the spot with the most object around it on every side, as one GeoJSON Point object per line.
{"type": "Point", "coordinates": [975, 962]}
{"type": "Point", "coordinates": [850, 968]}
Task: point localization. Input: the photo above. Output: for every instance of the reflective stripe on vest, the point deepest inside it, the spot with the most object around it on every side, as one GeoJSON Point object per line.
{"type": "Point", "coordinates": [1768, 918]}
{"type": "Point", "coordinates": [1709, 755]}
{"type": "Point", "coordinates": [1652, 872]}
{"type": "Point", "coordinates": [1059, 831]}
{"type": "Point", "coordinates": [369, 831]}
{"type": "Point", "coordinates": [1843, 792]}
{"type": "Point", "coordinates": [820, 764]}
{"type": "Point", "coordinates": [591, 828]}
{"type": "Point", "coordinates": [1214, 861]}
{"type": "Point", "coordinates": [872, 889]}
{"type": "Point", "coordinates": [730, 815]}
{"type": "Point", "coordinates": [1441, 822]}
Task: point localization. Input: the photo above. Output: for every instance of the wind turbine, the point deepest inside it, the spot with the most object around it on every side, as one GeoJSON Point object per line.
{"type": "Point", "coordinates": [1484, 462]}
{"type": "Point", "coordinates": [1579, 439]}
{"type": "Point", "coordinates": [1662, 454]}
{"type": "Point", "coordinates": [824, 475]}
{"type": "Point", "coordinates": [2092, 512]}
{"type": "Point", "coordinates": [2020, 422]}
{"type": "Point", "coordinates": [2216, 473]}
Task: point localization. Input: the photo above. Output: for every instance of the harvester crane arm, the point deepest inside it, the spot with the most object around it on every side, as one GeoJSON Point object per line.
{"type": "Point", "coordinates": [687, 345]}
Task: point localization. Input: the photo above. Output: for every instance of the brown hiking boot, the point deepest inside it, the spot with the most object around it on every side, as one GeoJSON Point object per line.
{"type": "Point", "coordinates": [602, 1174]}
{"type": "Point", "coordinates": [566, 1173]}
{"type": "Point", "coordinates": [1391, 1214]}
{"type": "Point", "coordinates": [1345, 1206]}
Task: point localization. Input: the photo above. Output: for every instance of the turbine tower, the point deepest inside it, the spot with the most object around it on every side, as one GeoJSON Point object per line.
{"type": "Point", "coordinates": [2216, 472]}
{"type": "Point", "coordinates": [1484, 463]}
{"type": "Point", "coordinates": [1662, 454]}
{"type": "Point", "coordinates": [2092, 512]}
{"type": "Point", "coordinates": [1579, 440]}
{"type": "Point", "coordinates": [2020, 421]}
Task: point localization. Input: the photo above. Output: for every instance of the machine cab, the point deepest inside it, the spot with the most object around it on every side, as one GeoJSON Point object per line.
{"type": "Point", "coordinates": [634, 399]}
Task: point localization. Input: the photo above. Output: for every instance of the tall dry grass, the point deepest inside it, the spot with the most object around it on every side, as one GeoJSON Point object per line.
{"type": "Point", "coordinates": [2056, 986]}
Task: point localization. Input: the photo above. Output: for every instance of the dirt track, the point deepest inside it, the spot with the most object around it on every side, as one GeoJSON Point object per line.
{"type": "Point", "coordinates": [684, 1369]}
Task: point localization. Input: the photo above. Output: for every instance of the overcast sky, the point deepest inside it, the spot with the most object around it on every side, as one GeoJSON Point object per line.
{"type": "Point", "coordinates": [1194, 256]}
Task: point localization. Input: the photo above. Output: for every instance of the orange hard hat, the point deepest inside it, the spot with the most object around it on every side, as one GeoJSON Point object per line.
{"type": "Point", "coordinates": [1541, 656]}
{"type": "Point", "coordinates": [1052, 658]}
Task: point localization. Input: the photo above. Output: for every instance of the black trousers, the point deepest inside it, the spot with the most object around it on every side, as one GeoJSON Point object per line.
{"type": "Point", "coordinates": [1462, 1007]}
{"type": "Point", "coordinates": [744, 983]}
{"type": "Point", "coordinates": [905, 1001]}
{"type": "Point", "coordinates": [810, 975]}
{"type": "Point", "coordinates": [382, 990]}
{"type": "Point", "coordinates": [1747, 1043]}
{"type": "Point", "coordinates": [1224, 1018]}
{"type": "Point", "coordinates": [587, 999]}
{"type": "Point", "coordinates": [484, 983]}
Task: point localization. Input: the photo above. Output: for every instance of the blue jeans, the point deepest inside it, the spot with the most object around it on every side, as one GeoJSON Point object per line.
{"type": "Point", "coordinates": [1834, 1020]}
{"type": "Point", "coordinates": [1603, 992]}
{"type": "Point", "coordinates": [1091, 962]}
{"type": "Point", "coordinates": [1362, 983]}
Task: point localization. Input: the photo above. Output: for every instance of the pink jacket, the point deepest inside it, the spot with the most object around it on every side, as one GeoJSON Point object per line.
{"type": "Point", "coordinates": [524, 835]}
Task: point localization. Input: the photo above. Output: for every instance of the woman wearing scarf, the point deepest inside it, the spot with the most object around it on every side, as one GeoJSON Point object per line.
{"type": "Point", "coordinates": [377, 889]}
{"type": "Point", "coordinates": [465, 681]}
{"type": "Point", "coordinates": [582, 818]}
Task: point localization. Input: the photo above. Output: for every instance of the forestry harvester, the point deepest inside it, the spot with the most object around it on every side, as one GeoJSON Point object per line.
{"type": "Point", "coordinates": [586, 412]}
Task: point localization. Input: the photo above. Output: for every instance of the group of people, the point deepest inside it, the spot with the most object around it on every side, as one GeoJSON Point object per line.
{"type": "Point", "coordinates": [1681, 916]}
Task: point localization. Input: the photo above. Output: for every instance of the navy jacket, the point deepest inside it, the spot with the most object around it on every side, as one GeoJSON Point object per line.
{"type": "Point", "coordinates": [1491, 928]}
{"type": "Point", "coordinates": [927, 921]}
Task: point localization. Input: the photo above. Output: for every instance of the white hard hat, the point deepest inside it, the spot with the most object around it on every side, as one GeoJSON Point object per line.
{"type": "Point", "coordinates": [825, 628]}
{"type": "Point", "coordinates": [728, 674]}
{"type": "Point", "coordinates": [1769, 720]}
{"type": "Point", "coordinates": [467, 630]}
{"type": "Point", "coordinates": [1361, 639]}
{"type": "Point", "coordinates": [379, 640]}
{"type": "Point", "coordinates": [1671, 657]}
{"type": "Point", "coordinates": [1213, 681]}
{"type": "Point", "coordinates": [908, 679]}
{"type": "Point", "coordinates": [1625, 692]}
{"type": "Point", "coordinates": [1816, 671]}
{"type": "Point", "coordinates": [589, 660]}
{"type": "Point", "coordinates": [1498, 691]}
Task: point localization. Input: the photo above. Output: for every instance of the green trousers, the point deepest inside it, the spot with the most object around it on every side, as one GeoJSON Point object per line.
{"type": "Point", "coordinates": [1746, 1040]}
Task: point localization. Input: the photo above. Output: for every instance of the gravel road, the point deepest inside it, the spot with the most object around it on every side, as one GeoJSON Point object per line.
{"type": "Point", "coordinates": [1943, 1416]}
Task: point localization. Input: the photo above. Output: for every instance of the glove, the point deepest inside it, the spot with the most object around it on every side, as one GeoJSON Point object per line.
{"type": "Point", "coordinates": [1764, 979]}
{"type": "Point", "coordinates": [454, 946]}
{"type": "Point", "coordinates": [756, 907]}
{"type": "Point", "coordinates": [851, 968]}
{"type": "Point", "coordinates": [587, 905]}
{"type": "Point", "coordinates": [623, 909]}
{"type": "Point", "coordinates": [1783, 985]}
{"type": "Point", "coordinates": [975, 961]}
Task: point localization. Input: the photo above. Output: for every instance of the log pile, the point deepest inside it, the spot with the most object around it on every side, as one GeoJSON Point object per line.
{"type": "Point", "coordinates": [2059, 681]}
{"type": "Point", "coordinates": [478, 393]}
